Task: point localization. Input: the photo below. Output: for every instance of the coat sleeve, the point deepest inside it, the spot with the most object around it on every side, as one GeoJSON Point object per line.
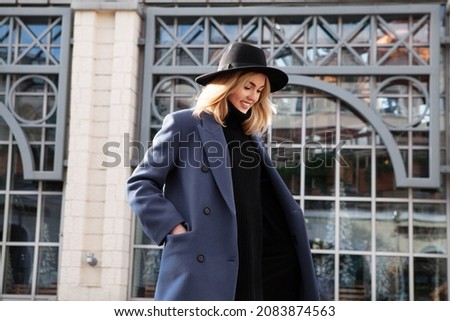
{"type": "Point", "coordinates": [145, 187]}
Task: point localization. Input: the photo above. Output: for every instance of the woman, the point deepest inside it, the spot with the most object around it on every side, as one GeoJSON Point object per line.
{"type": "Point", "coordinates": [208, 191]}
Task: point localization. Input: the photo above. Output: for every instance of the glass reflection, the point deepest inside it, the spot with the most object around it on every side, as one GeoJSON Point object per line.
{"type": "Point", "coordinates": [354, 130]}
{"type": "Point", "coordinates": [17, 180]}
{"type": "Point", "coordinates": [385, 176]}
{"type": "Point", "coordinates": [287, 128]}
{"type": "Point", "coordinates": [320, 217]}
{"type": "Point", "coordinates": [354, 278]}
{"type": "Point", "coordinates": [355, 226]}
{"type": "Point", "coordinates": [421, 160]}
{"type": "Point", "coordinates": [171, 94]}
{"type": "Point", "coordinates": [355, 172]}
{"type": "Point", "coordinates": [430, 279]}
{"type": "Point", "coordinates": [191, 30]}
{"type": "Point", "coordinates": [217, 28]}
{"type": "Point", "coordinates": [18, 269]}
{"type": "Point", "coordinates": [287, 161]}
{"type": "Point", "coordinates": [357, 85]}
{"type": "Point", "coordinates": [429, 228]}
{"type": "Point", "coordinates": [392, 227]}
{"type": "Point", "coordinates": [145, 272]}
{"type": "Point", "coordinates": [402, 102]}
{"type": "Point", "coordinates": [392, 278]}
{"type": "Point", "coordinates": [3, 165]}
{"type": "Point", "coordinates": [22, 218]}
{"type": "Point", "coordinates": [4, 128]}
{"type": "Point", "coordinates": [50, 218]}
{"type": "Point", "coordinates": [47, 277]}
{"type": "Point", "coordinates": [435, 194]}
{"type": "Point", "coordinates": [164, 29]}
{"type": "Point", "coordinates": [321, 120]}
{"type": "Point", "coordinates": [324, 265]}
{"type": "Point", "coordinates": [140, 238]}
{"type": "Point", "coordinates": [2, 214]}
{"type": "Point", "coordinates": [320, 166]}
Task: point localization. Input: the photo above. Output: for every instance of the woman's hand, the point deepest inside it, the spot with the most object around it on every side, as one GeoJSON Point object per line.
{"type": "Point", "coordinates": [179, 229]}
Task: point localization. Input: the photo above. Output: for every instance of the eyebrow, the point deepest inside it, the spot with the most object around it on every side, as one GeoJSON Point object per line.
{"type": "Point", "coordinates": [254, 85]}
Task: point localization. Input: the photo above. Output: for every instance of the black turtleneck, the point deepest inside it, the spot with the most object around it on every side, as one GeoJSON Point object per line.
{"type": "Point", "coordinates": [268, 266]}
{"type": "Point", "coordinates": [246, 174]}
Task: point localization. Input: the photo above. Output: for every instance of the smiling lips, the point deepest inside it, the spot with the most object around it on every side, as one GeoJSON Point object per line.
{"type": "Point", "coordinates": [246, 103]}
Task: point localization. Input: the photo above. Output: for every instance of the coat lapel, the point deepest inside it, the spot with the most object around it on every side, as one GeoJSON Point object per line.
{"type": "Point", "coordinates": [215, 148]}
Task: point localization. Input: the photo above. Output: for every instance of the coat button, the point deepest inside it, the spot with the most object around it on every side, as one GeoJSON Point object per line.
{"type": "Point", "coordinates": [201, 258]}
{"type": "Point", "coordinates": [206, 211]}
{"type": "Point", "coordinates": [205, 169]}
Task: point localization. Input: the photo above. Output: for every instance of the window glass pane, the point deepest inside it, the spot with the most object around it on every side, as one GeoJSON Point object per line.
{"type": "Point", "coordinates": [286, 128]}
{"type": "Point", "coordinates": [145, 272]}
{"type": "Point", "coordinates": [140, 238]}
{"type": "Point", "coordinates": [288, 161]}
{"type": "Point", "coordinates": [392, 227]}
{"type": "Point", "coordinates": [36, 152]}
{"type": "Point", "coordinates": [287, 122]}
{"type": "Point", "coordinates": [2, 215]}
{"type": "Point", "coordinates": [320, 166]}
{"type": "Point", "coordinates": [22, 218]}
{"type": "Point", "coordinates": [320, 217]}
{"type": "Point", "coordinates": [430, 279]}
{"type": "Point", "coordinates": [3, 165]}
{"type": "Point", "coordinates": [321, 120]}
{"type": "Point", "coordinates": [50, 134]}
{"type": "Point", "coordinates": [421, 138]}
{"type": "Point", "coordinates": [357, 85]}
{"type": "Point", "coordinates": [355, 226]}
{"type": "Point", "coordinates": [34, 134]}
{"type": "Point", "coordinates": [50, 218]}
{"type": "Point", "coordinates": [18, 269]}
{"type": "Point", "coordinates": [4, 129]}
{"type": "Point", "coordinates": [220, 27]}
{"type": "Point", "coordinates": [17, 180]}
{"type": "Point", "coordinates": [385, 177]}
{"type": "Point", "coordinates": [49, 157]}
{"type": "Point", "coordinates": [430, 228]}
{"type": "Point", "coordinates": [354, 278]}
{"type": "Point", "coordinates": [52, 186]}
{"type": "Point", "coordinates": [421, 161]}
{"type": "Point", "coordinates": [47, 271]}
{"type": "Point", "coordinates": [324, 265]}
{"type": "Point", "coordinates": [190, 30]}
{"type": "Point", "coordinates": [164, 30]}
{"type": "Point", "coordinates": [356, 177]}
{"type": "Point", "coordinates": [392, 278]}
{"type": "Point", "coordinates": [354, 130]}
{"type": "Point", "coordinates": [427, 193]}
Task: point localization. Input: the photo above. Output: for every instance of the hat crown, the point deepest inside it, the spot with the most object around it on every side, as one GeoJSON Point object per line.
{"type": "Point", "coordinates": [245, 58]}
{"type": "Point", "coordinates": [240, 55]}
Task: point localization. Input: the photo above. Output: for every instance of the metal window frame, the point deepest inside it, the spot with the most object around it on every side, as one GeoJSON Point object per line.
{"type": "Point", "coordinates": [432, 70]}
{"type": "Point", "coordinates": [62, 71]}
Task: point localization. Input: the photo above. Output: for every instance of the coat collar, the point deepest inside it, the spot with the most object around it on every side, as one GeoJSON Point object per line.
{"type": "Point", "coordinates": [215, 148]}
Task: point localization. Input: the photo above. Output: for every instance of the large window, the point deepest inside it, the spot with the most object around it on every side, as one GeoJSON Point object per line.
{"type": "Point", "coordinates": [33, 85]}
{"type": "Point", "coordinates": [356, 138]}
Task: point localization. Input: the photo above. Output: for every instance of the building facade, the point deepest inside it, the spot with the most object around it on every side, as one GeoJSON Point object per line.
{"type": "Point", "coordinates": [361, 137]}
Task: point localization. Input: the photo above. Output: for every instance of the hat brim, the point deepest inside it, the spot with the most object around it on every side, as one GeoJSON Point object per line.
{"type": "Point", "coordinates": [277, 78]}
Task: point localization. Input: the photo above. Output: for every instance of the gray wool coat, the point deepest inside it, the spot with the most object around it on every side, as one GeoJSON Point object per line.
{"type": "Point", "coordinates": [185, 177]}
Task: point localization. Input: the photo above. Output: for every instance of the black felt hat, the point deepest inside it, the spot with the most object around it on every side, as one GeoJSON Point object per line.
{"type": "Point", "coordinates": [245, 57]}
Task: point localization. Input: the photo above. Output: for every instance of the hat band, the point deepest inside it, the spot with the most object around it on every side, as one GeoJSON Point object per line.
{"type": "Point", "coordinates": [239, 65]}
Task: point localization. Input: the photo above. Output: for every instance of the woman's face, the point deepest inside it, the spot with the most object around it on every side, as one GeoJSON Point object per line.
{"type": "Point", "coordinates": [248, 95]}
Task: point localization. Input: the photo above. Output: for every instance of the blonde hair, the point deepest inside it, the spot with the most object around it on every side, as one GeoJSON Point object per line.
{"type": "Point", "coordinates": [213, 100]}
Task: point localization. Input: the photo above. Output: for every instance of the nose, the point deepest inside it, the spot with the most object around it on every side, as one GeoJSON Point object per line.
{"type": "Point", "coordinates": [253, 95]}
